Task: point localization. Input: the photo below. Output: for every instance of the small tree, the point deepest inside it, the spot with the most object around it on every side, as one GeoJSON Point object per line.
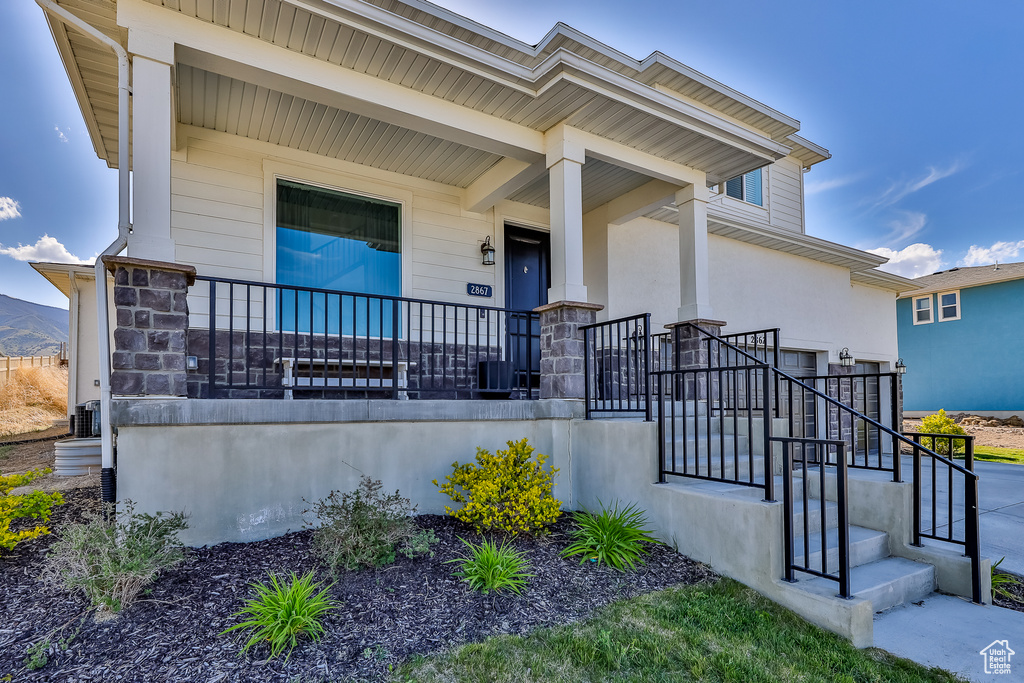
{"type": "Point", "coordinates": [940, 423]}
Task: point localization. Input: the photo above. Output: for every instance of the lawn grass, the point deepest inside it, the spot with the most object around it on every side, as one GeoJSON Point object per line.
{"type": "Point", "coordinates": [1014, 456]}
{"type": "Point", "coordinates": [717, 632]}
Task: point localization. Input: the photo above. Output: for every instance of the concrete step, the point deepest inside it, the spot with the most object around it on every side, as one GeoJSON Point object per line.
{"type": "Point", "coordinates": [814, 514]}
{"type": "Point", "coordinates": [886, 583]}
{"type": "Point", "coordinates": [866, 546]}
{"type": "Point", "coordinates": [738, 467]}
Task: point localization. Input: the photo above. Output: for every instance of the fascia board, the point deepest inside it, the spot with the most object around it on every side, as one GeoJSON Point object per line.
{"type": "Point", "coordinates": [882, 280]}
{"type": "Point", "coordinates": [854, 259]}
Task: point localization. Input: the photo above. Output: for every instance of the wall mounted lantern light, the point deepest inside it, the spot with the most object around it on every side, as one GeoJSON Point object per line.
{"type": "Point", "coordinates": [845, 359]}
{"type": "Point", "coordinates": [901, 367]}
{"type": "Point", "coordinates": [487, 249]}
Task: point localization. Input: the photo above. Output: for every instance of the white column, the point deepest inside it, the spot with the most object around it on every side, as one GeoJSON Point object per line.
{"type": "Point", "coordinates": [694, 285]}
{"type": "Point", "coordinates": [565, 167]}
{"type": "Point", "coordinates": [152, 119]}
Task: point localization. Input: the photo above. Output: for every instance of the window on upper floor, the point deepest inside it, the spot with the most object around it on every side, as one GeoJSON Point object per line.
{"type": "Point", "coordinates": [949, 306]}
{"type": "Point", "coordinates": [923, 310]}
{"type": "Point", "coordinates": [746, 187]}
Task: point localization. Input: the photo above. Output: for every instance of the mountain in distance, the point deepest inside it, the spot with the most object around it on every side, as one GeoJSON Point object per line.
{"type": "Point", "coordinates": [28, 329]}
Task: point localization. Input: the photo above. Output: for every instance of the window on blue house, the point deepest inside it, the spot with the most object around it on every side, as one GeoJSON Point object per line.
{"type": "Point", "coordinates": [331, 240]}
{"type": "Point", "coordinates": [923, 309]}
{"type": "Point", "coordinates": [746, 187]}
{"type": "Point", "coordinates": [949, 306]}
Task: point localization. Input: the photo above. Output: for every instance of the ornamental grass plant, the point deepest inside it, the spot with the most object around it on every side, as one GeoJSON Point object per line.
{"type": "Point", "coordinates": [490, 567]}
{"type": "Point", "coordinates": [112, 556]}
{"type": "Point", "coordinates": [614, 537]}
{"type": "Point", "coordinates": [280, 614]}
{"type": "Point", "coordinates": [508, 492]}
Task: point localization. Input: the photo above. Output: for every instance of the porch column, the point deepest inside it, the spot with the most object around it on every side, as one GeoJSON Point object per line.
{"type": "Point", "coordinates": [565, 172]}
{"type": "Point", "coordinates": [694, 286]}
{"type": "Point", "coordinates": [152, 119]}
{"type": "Point", "coordinates": [562, 372]}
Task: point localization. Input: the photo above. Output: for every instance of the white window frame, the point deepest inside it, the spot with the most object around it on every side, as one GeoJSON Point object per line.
{"type": "Point", "coordinates": [931, 309]}
{"type": "Point", "coordinates": [939, 306]}
{"type": "Point", "coordinates": [743, 186]}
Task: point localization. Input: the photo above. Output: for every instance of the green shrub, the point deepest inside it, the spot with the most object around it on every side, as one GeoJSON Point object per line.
{"type": "Point", "coordinates": [940, 423]}
{"type": "Point", "coordinates": [613, 537]}
{"type": "Point", "coordinates": [365, 528]}
{"type": "Point", "coordinates": [279, 614]}
{"type": "Point", "coordinates": [507, 492]}
{"type": "Point", "coordinates": [490, 567]}
{"type": "Point", "coordinates": [35, 505]}
{"type": "Point", "coordinates": [1002, 582]}
{"type": "Point", "coordinates": [112, 557]}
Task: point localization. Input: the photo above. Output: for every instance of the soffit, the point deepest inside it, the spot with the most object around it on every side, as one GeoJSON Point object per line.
{"type": "Point", "coordinates": [778, 239]}
{"type": "Point", "coordinates": [601, 182]}
{"type": "Point", "coordinates": [216, 102]}
{"type": "Point", "coordinates": [92, 70]}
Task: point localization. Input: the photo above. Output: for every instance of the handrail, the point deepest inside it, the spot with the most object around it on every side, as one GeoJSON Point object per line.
{"type": "Point", "coordinates": [616, 378]}
{"type": "Point", "coordinates": [972, 542]}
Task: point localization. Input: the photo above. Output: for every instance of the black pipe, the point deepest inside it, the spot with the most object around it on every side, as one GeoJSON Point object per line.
{"type": "Point", "coordinates": [108, 485]}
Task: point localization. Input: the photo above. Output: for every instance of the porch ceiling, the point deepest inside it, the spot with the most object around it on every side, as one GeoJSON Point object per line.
{"type": "Point", "coordinates": [216, 102]}
{"type": "Point", "coordinates": [601, 182]}
{"type": "Point", "coordinates": [656, 106]}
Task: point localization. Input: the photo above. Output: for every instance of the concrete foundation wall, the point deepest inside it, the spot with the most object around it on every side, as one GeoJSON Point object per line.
{"type": "Point", "coordinates": [242, 473]}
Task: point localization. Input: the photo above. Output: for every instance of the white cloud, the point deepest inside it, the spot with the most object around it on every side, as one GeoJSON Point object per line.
{"type": "Point", "coordinates": [906, 226]}
{"type": "Point", "coordinates": [1000, 251]}
{"type": "Point", "coordinates": [9, 208]}
{"type": "Point", "coordinates": [45, 249]}
{"type": "Point", "coordinates": [60, 133]}
{"type": "Point", "coordinates": [818, 186]}
{"type": "Point", "coordinates": [913, 261]}
{"type": "Point", "coordinates": [898, 190]}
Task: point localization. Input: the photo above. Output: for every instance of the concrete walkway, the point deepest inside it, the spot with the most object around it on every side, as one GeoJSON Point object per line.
{"type": "Point", "coordinates": [1001, 498]}
{"type": "Point", "coordinates": [950, 632]}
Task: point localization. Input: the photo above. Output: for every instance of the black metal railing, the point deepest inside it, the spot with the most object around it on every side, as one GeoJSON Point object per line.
{"type": "Point", "coordinates": [820, 415]}
{"type": "Point", "coordinates": [699, 439]}
{"type": "Point", "coordinates": [946, 495]}
{"type": "Point", "coordinates": [806, 492]}
{"type": "Point", "coordinates": [851, 408]}
{"type": "Point", "coordinates": [279, 341]}
{"type": "Point", "coordinates": [617, 363]}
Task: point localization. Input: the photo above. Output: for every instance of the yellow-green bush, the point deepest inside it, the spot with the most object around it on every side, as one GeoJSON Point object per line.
{"type": "Point", "coordinates": [35, 505]}
{"type": "Point", "coordinates": [507, 492]}
{"type": "Point", "coordinates": [940, 423]}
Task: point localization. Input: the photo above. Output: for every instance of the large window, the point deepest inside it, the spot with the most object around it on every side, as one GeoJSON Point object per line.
{"type": "Point", "coordinates": [332, 240]}
{"type": "Point", "coordinates": [949, 306]}
{"type": "Point", "coordinates": [746, 187]}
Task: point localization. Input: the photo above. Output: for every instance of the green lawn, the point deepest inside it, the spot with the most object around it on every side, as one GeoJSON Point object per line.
{"type": "Point", "coordinates": [719, 632]}
{"type": "Point", "coordinates": [991, 454]}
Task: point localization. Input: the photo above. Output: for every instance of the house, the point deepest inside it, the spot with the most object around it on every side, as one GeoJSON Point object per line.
{"type": "Point", "coordinates": [967, 320]}
{"type": "Point", "coordinates": [475, 240]}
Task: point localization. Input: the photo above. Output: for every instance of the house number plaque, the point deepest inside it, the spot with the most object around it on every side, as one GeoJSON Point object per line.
{"type": "Point", "coordinates": [478, 290]}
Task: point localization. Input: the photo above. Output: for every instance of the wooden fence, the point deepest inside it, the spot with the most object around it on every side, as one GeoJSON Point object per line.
{"type": "Point", "coordinates": [9, 364]}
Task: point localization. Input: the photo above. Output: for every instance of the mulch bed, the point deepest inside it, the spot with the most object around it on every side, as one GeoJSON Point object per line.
{"type": "Point", "coordinates": [414, 606]}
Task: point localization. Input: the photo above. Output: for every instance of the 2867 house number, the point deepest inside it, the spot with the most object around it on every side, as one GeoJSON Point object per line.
{"type": "Point", "coordinates": [478, 290]}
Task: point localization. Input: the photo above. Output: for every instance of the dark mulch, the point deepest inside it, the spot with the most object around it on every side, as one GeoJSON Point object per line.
{"type": "Point", "coordinates": [1017, 591]}
{"type": "Point", "coordinates": [414, 606]}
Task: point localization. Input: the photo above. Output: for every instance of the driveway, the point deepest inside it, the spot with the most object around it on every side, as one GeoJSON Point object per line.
{"type": "Point", "coordinates": [1001, 498]}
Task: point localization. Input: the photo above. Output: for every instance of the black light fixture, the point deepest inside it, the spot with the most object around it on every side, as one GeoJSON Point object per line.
{"type": "Point", "coordinates": [901, 367]}
{"type": "Point", "coordinates": [845, 359]}
{"type": "Point", "coordinates": [487, 249]}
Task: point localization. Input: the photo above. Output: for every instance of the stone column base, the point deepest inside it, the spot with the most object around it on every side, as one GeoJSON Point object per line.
{"type": "Point", "coordinates": [562, 372]}
{"type": "Point", "coordinates": [152, 323]}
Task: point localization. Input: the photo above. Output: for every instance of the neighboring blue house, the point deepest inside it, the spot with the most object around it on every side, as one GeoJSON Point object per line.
{"type": "Point", "coordinates": [961, 335]}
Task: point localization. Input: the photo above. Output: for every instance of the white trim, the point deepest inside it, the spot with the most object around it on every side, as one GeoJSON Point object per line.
{"type": "Point", "coordinates": [939, 306]}
{"type": "Point", "coordinates": [930, 309]}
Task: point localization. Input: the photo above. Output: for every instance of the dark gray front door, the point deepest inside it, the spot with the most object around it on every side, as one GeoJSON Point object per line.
{"type": "Point", "coordinates": [527, 279]}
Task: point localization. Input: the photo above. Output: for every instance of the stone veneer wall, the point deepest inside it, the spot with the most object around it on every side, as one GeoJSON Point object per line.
{"type": "Point", "coordinates": [151, 304]}
{"type": "Point", "coordinates": [562, 347]}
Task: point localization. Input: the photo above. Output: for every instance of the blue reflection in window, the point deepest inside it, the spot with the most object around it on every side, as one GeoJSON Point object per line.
{"type": "Point", "coordinates": [331, 240]}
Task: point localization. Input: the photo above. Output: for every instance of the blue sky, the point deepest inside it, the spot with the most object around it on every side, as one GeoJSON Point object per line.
{"type": "Point", "coordinates": [919, 103]}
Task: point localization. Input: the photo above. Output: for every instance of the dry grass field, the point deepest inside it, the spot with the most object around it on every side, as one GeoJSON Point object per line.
{"type": "Point", "coordinates": [32, 399]}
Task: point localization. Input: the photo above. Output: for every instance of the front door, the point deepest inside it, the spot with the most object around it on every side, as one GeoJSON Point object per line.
{"type": "Point", "coordinates": [527, 279]}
